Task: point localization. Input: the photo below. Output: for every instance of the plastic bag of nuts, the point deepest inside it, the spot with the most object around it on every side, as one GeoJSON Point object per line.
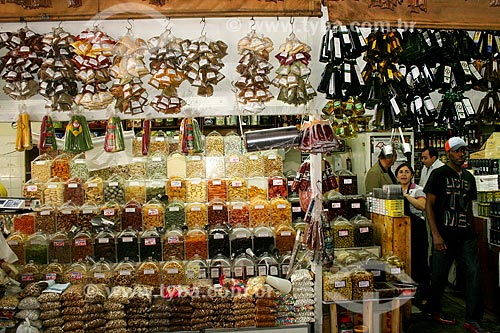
{"type": "Point", "coordinates": [41, 168]}
{"type": "Point", "coordinates": [94, 190]}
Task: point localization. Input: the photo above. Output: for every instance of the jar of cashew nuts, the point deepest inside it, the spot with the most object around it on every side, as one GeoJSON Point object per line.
{"type": "Point", "coordinates": [236, 188]}
{"type": "Point", "coordinates": [195, 166]}
{"type": "Point", "coordinates": [196, 190]}
{"type": "Point", "coordinates": [214, 142]}
{"type": "Point", "coordinates": [153, 214]}
{"type": "Point", "coordinates": [235, 165]}
{"type": "Point", "coordinates": [94, 190]}
{"type": "Point", "coordinates": [53, 193]}
{"type": "Point", "coordinates": [196, 215]}
{"type": "Point", "coordinates": [41, 168]}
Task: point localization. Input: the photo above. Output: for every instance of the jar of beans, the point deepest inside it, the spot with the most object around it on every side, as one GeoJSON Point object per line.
{"type": "Point", "coordinates": [73, 191]}
{"type": "Point", "coordinates": [81, 246]}
{"type": "Point", "coordinates": [175, 216]}
{"type": "Point", "coordinates": [127, 245]}
{"type": "Point", "coordinates": [215, 165]}
{"type": "Point", "coordinates": [112, 211]}
{"type": "Point", "coordinates": [343, 233]}
{"type": "Point", "coordinates": [132, 215]}
{"type": "Point", "coordinates": [60, 167]}
{"type": "Point", "coordinates": [176, 165]}
{"type": "Point", "coordinates": [41, 168]}
{"type": "Point", "coordinates": [238, 213]}
{"type": "Point", "coordinates": [196, 269]}
{"type": "Point", "coordinates": [105, 246]}
{"type": "Point", "coordinates": [243, 267]}
{"type": "Point", "coordinates": [241, 239]}
{"type": "Point", "coordinates": [67, 216]}
{"type": "Point", "coordinates": [196, 243]}
{"type": "Point", "coordinates": [173, 243]}
{"type": "Point", "coordinates": [157, 165]}
{"type": "Point", "coordinates": [254, 164]}
{"type": "Point", "coordinates": [196, 215]}
{"type": "Point", "coordinates": [78, 167]}
{"type": "Point", "coordinates": [60, 248]}
{"type": "Point", "coordinates": [195, 166]}
{"type": "Point", "coordinates": [153, 214]}
{"type": "Point", "coordinates": [87, 212]}
{"type": "Point", "coordinates": [150, 245]}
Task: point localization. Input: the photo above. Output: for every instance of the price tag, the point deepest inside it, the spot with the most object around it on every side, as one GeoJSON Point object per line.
{"type": "Point", "coordinates": [130, 210]}
{"type": "Point", "coordinates": [127, 239]}
{"type": "Point", "coordinates": [281, 206]}
{"type": "Point", "coordinates": [296, 209]}
{"type": "Point", "coordinates": [103, 240]}
{"type": "Point", "coordinates": [218, 236]}
{"type": "Point", "coordinates": [217, 182]}
{"type": "Point", "coordinates": [339, 284]}
{"type": "Point", "coordinates": [172, 270]}
{"type": "Point", "coordinates": [45, 212]}
{"type": "Point", "coordinates": [87, 211]}
{"type": "Point", "coordinates": [262, 270]}
{"type": "Point", "coordinates": [336, 205]}
{"type": "Point", "coordinates": [196, 209]}
{"type": "Point", "coordinates": [273, 270]}
{"type": "Point", "coordinates": [113, 184]}
{"type": "Point", "coordinates": [159, 138]}
{"type": "Point", "coordinates": [236, 183]}
{"type": "Point", "coordinates": [241, 235]}
{"type": "Point", "coordinates": [76, 275]}
{"type": "Point", "coordinates": [156, 158]}
{"type": "Point", "coordinates": [259, 206]}
{"type": "Point", "coordinates": [277, 182]}
{"type": "Point", "coordinates": [52, 186]}
{"type": "Point", "coordinates": [109, 212]}
{"type": "Point", "coordinates": [217, 207]}
{"type": "Point", "coordinates": [395, 270]}
{"type": "Point", "coordinates": [27, 277]}
{"type": "Point", "coordinates": [149, 271]}
{"type": "Point", "coordinates": [58, 243]}
{"type": "Point", "coordinates": [50, 276]}
{"type": "Point", "coordinates": [13, 243]}
{"type": "Point", "coordinates": [271, 157]}
{"type": "Point", "coordinates": [80, 242]}
{"type": "Point", "coordinates": [99, 275]}
{"type": "Point", "coordinates": [284, 269]}
{"type": "Point", "coordinates": [149, 241]}
{"type": "Point", "coordinates": [124, 272]}
{"type": "Point", "coordinates": [67, 212]}
{"type": "Point", "coordinates": [250, 270]}
{"type": "Point", "coordinates": [134, 183]}
{"type": "Point", "coordinates": [364, 284]}
{"type": "Point", "coordinates": [253, 157]}
{"type": "Point", "coordinates": [238, 271]}
{"type": "Point", "coordinates": [176, 183]}
{"type": "Point", "coordinates": [234, 159]}
{"type": "Point", "coordinates": [153, 212]}
{"type": "Point", "coordinates": [190, 274]}
{"type": "Point", "coordinates": [40, 162]}
{"type": "Point", "coordinates": [195, 181]}
{"type": "Point", "coordinates": [356, 205]}
{"type": "Point", "coordinates": [173, 209]}
{"type": "Point", "coordinates": [263, 234]}
{"type": "Point", "coordinates": [347, 181]}
{"type": "Point", "coordinates": [31, 188]}
{"type": "Point", "coordinates": [92, 185]}
{"type": "Point", "coordinates": [364, 230]}
{"type": "Point", "coordinates": [238, 206]}
{"type": "Point", "coordinates": [173, 239]}
{"type": "Point", "coordinates": [202, 274]}
{"type": "Point", "coordinates": [376, 273]}
{"type": "Point", "coordinates": [286, 233]}
{"type": "Point", "coordinates": [196, 158]}
{"type": "Point", "coordinates": [343, 233]}
{"type": "Point", "coordinates": [226, 271]}
{"type": "Point", "coordinates": [214, 272]}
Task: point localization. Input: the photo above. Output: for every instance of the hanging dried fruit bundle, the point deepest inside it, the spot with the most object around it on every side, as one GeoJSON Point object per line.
{"type": "Point", "coordinates": [23, 136]}
{"type": "Point", "coordinates": [47, 140]}
{"type": "Point", "coordinates": [113, 140]}
{"type": "Point", "coordinates": [77, 138]}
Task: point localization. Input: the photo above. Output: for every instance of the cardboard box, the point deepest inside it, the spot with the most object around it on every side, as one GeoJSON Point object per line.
{"type": "Point", "coordinates": [490, 149]}
{"type": "Point", "coordinates": [487, 183]}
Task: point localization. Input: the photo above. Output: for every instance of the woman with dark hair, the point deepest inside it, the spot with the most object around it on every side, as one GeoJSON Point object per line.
{"type": "Point", "coordinates": [414, 204]}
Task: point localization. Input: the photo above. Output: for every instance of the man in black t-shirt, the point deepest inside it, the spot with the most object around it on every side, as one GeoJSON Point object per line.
{"type": "Point", "coordinates": [450, 191]}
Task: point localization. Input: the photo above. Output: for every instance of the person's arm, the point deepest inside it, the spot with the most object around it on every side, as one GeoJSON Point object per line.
{"type": "Point", "coordinates": [437, 240]}
{"type": "Point", "coordinates": [418, 203]}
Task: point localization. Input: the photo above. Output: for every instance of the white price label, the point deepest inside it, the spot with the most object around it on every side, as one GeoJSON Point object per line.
{"type": "Point", "coordinates": [176, 183]}
{"type": "Point", "coordinates": [364, 284]}
{"type": "Point", "coordinates": [277, 182]}
{"type": "Point", "coordinates": [103, 240]}
{"type": "Point", "coordinates": [281, 206]}
{"type": "Point", "coordinates": [99, 275]}
{"type": "Point", "coordinates": [336, 205]}
{"type": "Point", "coordinates": [149, 271]}
{"type": "Point", "coordinates": [124, 272]}
{"type": "Point", "coordinates": [172, 270]}
{"type": "Point", "coordinates": [343, 233]}
{"type": "Point", "coordinates": [153, 212]}
{"type": "Point", "coordinates": [356, 205]}
{"type": "Point", "coordinates": [173, 209]}
{"type": "Point", "coordinates": [348, 181]}
{"type": "Point", "coordinates": [339, 284]}
{"type": "Point", "coordinates": [129, 210]}
{"type": "Point", "coordinates": [217, 207]}
{"type": "Point", "coordinates": [127, 239]}
{"type": "Point", "coordinates": [109, 212]}
{"type": "Point", "coordinates": [286, 233]}
{"type": "Point", "coordinates": [262, 270]}
{"type": "Point", "coordinates": [395, 270]}
{"type": "Point", "coordinates": [217, 182]}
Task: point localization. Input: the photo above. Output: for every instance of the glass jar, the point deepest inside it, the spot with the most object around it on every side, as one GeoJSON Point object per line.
{"type": "Point", "coordinates": [220, 266]}
{"type": "Point", "coordinates": [105, 246]}
{"type": "Point", "coordinates": [45, 219]}
{"type": "Point", "coordinates": [259, 212]}
{"type": "Point", "coordinates": [395, 267]}
{"type": "Point", "coordinates": [60, 167]}
{"type": "Point", "coordinates": [214, 143]}
{"type": "Point", "coordinates": [24, 223]}
{"type": "Point", "coordinates": [124, 274]}
{"type": "Point", "coordinates": [263, 240]}
{"type": "Point", "coordinates": [243, 267]}
{"type": "Point", "coordinates": [284, 261]}
{"type": "Point", "coordinates": [176, 188]}
{"type": "Point", "coordinates": [362, 283]}
{"type": "Point", "coordinates": [16, 244]}
{"type": "Point", "coordinates": [53, 194]}
{"type": "Point", "coordinates": [132, 216]}
{"type": "Point", "coordinates": [273, 163]}
{"type": "Point", "coordinates": [257, 187]}
{"type": "Point", "coordinates": [267, 265]}
{"type": "Point", "coordinates": [196, 269]}
{"type": "Point", "coordinates": [138, 167]}
{"type": "Point", "coordinates": [159, 143]}
{"type": "Point", "coordinates": [33, 189]}
{"type": "Point", "coordinates": [281, 212]}
{"type": "Point", "coordinates": [78, 167]}
{"type": "Point", "coordinates": [336, 204]}
{"type": "Point", "coordinates": [355, 206]}
{"type": "Point", "coordinates": [235, 165]}
{"type": "Point", "coordinates": [236, 188]}
{"type": "Point", "coordinates": [36, 249]}
{"type": "Point", "coordinates": [196, 190]}
{"type": "Point", "coordinates": [297, 214]}
{"type": "Point", "coordinates": [94, 190]}
{"type": "Point", "coordinates": [363, 231]}
{"type": "Point", "coordinates": [60, 248]}
{"type": "Point", "coordinates": [149, 273]}
{"type": "Point", "coordinates": [67, 216]}
{"type": "Point", "coordinates": [135, 189]}
{"type": "Point", "coordinates": [77, 273]}
{"type": "Point", "coordinates": [155, 188]}
{"type": "Point", "coordinates": [112, 211]}
{"type": "Point", "coordinates": [215, 166]}
{"type": "Point", "coordinates": [238, 213]}
{"type": "Point", "coordinates": [285, 238]}
{"type": "Point", "coordinates": [54, 272]}
{"type": "Point", "coordinates": [150, 245]}
{"type": "Point", "coordinates": [218, 241]}
{"type": "Point", "coordinates": [348, 182]}
{"type": "Point", "coordinates": [41, 168]}
{"type": "Point", "coordinates": [176, 165]}
{"type": "Point", "coordinates": [343, 233]}
{"type": "Point", "coordinates": [175, 215]}
{"type": "Point", "coordinates": [173, 244]}
{"type": "Point", "coordinates": [101, 272]}
{"type": "Point", "coordinates": [277, 186]}
{"type": "Point", "coordinates": [87, 212]}
{"type": "Point", "coordinates": [254, 164]}
{"type": "Point", "coordinates": [137, 144]}
{"type": "Point", "coordinates": [114, 189]}
{"type": "Point", "coordinates": [195, 166]}
{"type": "Point", "coordinates": [232, 143]}
{"type": "Point", "coordinates": [241, 240]}
{"type": "Point", "coordinates": [217, 212]}
{"type": "Point", "coordinates": [31, 272]}
{"type": "Point", "coordinates": [81, 246]}
{"type": "Point", "coordinates": [172, 272]}
{"type": "Point", "coordinates": [217, 189]}
{"type": "Point", "coordinates": [196, 215]}
{"type": "Point", "coordinates": [337, 285]}
{"type": "Point", "coordinates": [156, 167]}
{"type": "Point", "coordinates": [127, 245]}
{"type": "Point", "coordinates": [153, 215]}
{"type": "Point", "coordinates": [196, 243]}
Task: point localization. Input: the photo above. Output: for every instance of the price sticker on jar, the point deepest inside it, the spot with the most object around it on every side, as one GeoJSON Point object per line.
{"type": "Point", "coordinates": [339, 284]}
{"type": "Point", "coordinates": [190, 274]}
{"type": "Point", "coordinates": [27, 277]}
{"type": "Point", "coordinates": [214, 272]}
{"type": "Point", "coordinates": [250, 270]}
{"type": "Point", "coordinates": [356, 205]}
{"type": "Point", "coordinates": [218, 236]}
{"type": "Point", "coordinates": [343, 233]}
{"type": "Point", "coordinates": [196, 158]}
{"type": "Point", "coordinates": [364, 284]}
{"type": "Point", "coordinates": [234, 159]}
{"type": "Point", "coordinates": [109, 212]}
{"type": "Point", "coordinates": [58, 243]}
{"type": "Point", "coordinates": [364, 230]}
{"type": "Point", "coordinates": [130, 210]}
{"type": "Point", "coordinates": [281, 206]}
{"type": "Point", "coordinates": [173, 209]}
{"type": "Point", "coordinates": [217, 207]}
{"type": "Point", "coordinates": [195, 208]}
{"type": "Point", "coordinates": [336, 205]}
{"type": "Point", "coordinates": [236, 183]}
{"type": "Point", "coordinates": [277, 182]}
{"type": "Point", "coordinates": [72, 185]}
{"type": "Point", "coordinates": [172, 270]}
{"type": "Point", "coordinates": [99, 275]}
{"type": "Point", "coordinates": [296, 209]}
{"type": "Point", "coordinates": [176, 183]}
{"type": "Point", "coordinates": [31, 188]}
{"type": "Point", "coordinates": [113, 184]}
{"type": "Point", "coordinates": [153, 212]}
{"type": "Point", "coordinates": [262, 270]}
{"type": "Point", "coordinates": [238, 206]}
{"type": "Point", "coordinates": [259, 206]}
{"type": "Point", "coordinates": [395, 270]}
{"type": "Point", "coordinates": [125, 272]}
{"type": "Point", "coordinates": [149, 271]}
{"type": "Point", "coordinates": [45, 212]}
{"type": "Point", "coordinates": [254, 157]}
{"type": "Point", "coordinates": [127, 239]}
{"type": "Point", "coordinates": [103, 240]}
{"type": "Point", "coordinates": [150, 241]}
{"type": "Point", "coordinates": [50, 276]}
{"type": "Point", "coordinates": [92, 185]}
{"type": "Point", "coordinates": [348, 181]}
{"type": "Point", "coordinates": [76, 275]}
{"type": "Point", "coordinates": [173, 239]}
{"type": "Point", "coordinates": [80, 242]}
{"type": "Point", "coordinates": [286, 233]}
{"type": "Point", "coordinates": [217, 182]}
{"type": "Point", "coordinates": [238, 271]}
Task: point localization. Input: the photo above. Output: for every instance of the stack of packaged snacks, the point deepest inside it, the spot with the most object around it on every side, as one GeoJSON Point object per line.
{"type": "Point", "coordinates": [158, 315]}
{"type": "Point", "coordinates": [223, 309]}
{"type": "Point", "coordinates": [94, 297]}
{"type": "Point", "coordinates": [73, 314]}
{"type": "Point", "coordinates": [8, 306]}
{"type": "Point", "coordinates": [244, 310]}
{"type": "Point", "coordinates": [138, 308]}
{"type": "Point", "coordinates": [115, 308]}
{"type": "Point", "coordinates": [265, 307]}
{"type": "Point", "coordinates": [303, 292]}
{"type": "Point", "coordinates": [202, 303]}
{"type": "Point", "coordinates": [285, 309]}
{"type": "Point", "coordinates": [34, 290]}
{"type": "Point", "coordinates": [50, 312]}
{"type": "Point", "coordinates": [180, 308]}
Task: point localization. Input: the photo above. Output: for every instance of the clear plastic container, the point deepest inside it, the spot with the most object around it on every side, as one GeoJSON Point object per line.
{"type": "Point", "coordinates": [395, 267]}
{"type": "Point", "coordinates": [124, 274]}
{"type": "Point", "coordinates": [173, 244]}
{"type": "Point", "coordinates": [114, 189]}
{"type": "Point", "coordinates": [260, 211]}
{"type": "Point", "coordinates": [67, 216]}
{"type": "Point", "coordinates": [263, 240]}
{"type": "Point", "coordinates": [273, 163]}
{"type": "Point", "coordinates": [45, 219]}
{"type": "Point", "coordinates": [86, 213]}
{"type": "Point", "coordinates": [36, 249]}
{"type": "Point", "coordinates": [241, 239]}
{"type": "Point", "coordinates": [297, 213]}
{"type": "Point", "coordinates": [218, 241]}
{"type": "Point", "coordinates": [81, 246]}
{"type": "Point", "coordinates": [232, 143]}
{"type": "Point", "coordinates": [176, 165]}
{"type": "Point", "coordinates": [137, 144]}
{"type": "Point", "coordinates": [24, 223]}
{"type": "Point", "coordinates": [337, 285]}
{"type": "Point", "coordinates": [41, 168]}
{"type": "Point", "coordinates": [156, 167]}
{"type": "Point", "coordinates": [363, 231]}
{"type": "Point", "coordinates": [285, 238]}
{"type": "Point", "coordinates": [53, 194]}
{"type": "Point", "coordinates": [257, 187]}
{"type": "Point", "coordinates": [175, 214]}
{"type": "Point", "coordinates": [132, 215]}
{"type": "Point", "coordinates": [112, 211]}
{"type": "Point", "coordinates": [348, 182]}
{"type": "Point", "coordinates": [60, 167]}
{"type": "Point", "coordinates": [196, 190]}
{"type": "Point", "coordinates": [215, 165]}
{"type": "Point", "coordinates": [216, 188]}
{"type": "Point", "coordinates": [138, 167]}
{"type": "Point", "coordinates": [281, 212]}
{"type": "Point", "coordinates": [196, 215]}
{"type": "Point", "coordinates": [77, 273]}
{"type": "Point", "coordinates": [159, 143]}
{"type": "Point", "coordinates": [243, 267]}
{"type": "Point", "coordinates": [54, 272]}
{"type": "Point", "coordinates": [217, 212]}
{"type": "Point", "coordinates": [94, 190]}
{"type": "Point", "coordinates": [135, 189]}
{"type": "Point", "coordinates": [101, 272]}
{"type": "Point", "coordinates": [172, 272]}
{"type": "Point", "coordinates": [238, 213]}
{"type": "Point", "coordinates": [355, 206]}
{"type": "Point", "coordinates": [220, 266]}
{"type": "Point", "coordinates": [16, 244]}
{"type": "Point", "coordinates": [277, 186]}
{"type": "Point", "coordinates": [267, 265]}
{"type": "Point", "coordinates": [196, 243]}
{"type": "Point", "coordinates": [73, 191]}
{"type": "Point", "coordinates": [343, 233]}
{"type": "Point", "coordinates": [196, 269]}
{"type": "Point", "coordinates": [214, 143]}
{"type": "Point", "coordinates": [362, 283]}
{"type": "Point", "coordinates": [254, 164]}
{"type": "Point", "coordinates": [105, 246]}
{"type": "Point", "coordinates": [33, 189]}
{"type": "Point", "coordinates": [176, 188]}
{"type": "Point", "coordinates": [149, 273]}
{"type": "Point", "coordinates": [336, 204]}
{"type": "Point", "coordinates": [150, 245]}
{"type": "Point", "coordinates": [78, 167]}
{"type": "Point", "coordinates": [285, 260]}
{"type": "Point", "coordinates": [236, 188]}
{"type": "Point", "coordinates": [235, 165]}
{"type": "Point", "coordinates": [155, 188]}
{"type": "Point", "coordinates": [60, 248]}
{"type": "Point", "coordinates": [153, 214]}
{"type": "Point", "coordinates": [195, 166]}
{"type": "Point", "coordinates": [127, 245]}
{"type": "Point", "coordinates": [31, 272]}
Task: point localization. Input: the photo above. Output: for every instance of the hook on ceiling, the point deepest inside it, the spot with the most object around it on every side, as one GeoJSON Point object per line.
{"type": "Point", "coordinates": [204, 22]}
{"type": "Point", "coordinates": [252, 24]}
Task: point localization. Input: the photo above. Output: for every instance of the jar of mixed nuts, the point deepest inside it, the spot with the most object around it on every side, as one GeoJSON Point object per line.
{"type": "Point", "coordinates": [124, 274]}
{"type": "Point", "coordinates": [159, 143]}
{"type": "Point", "coordinates": [173, 244]}
{"type": "Point", "coordinates": [54, 272]}
{"type": "Point", "coordinates": [217, 212]}
{"type": "Point", "coordinates": [254, 164]}
{"type": "Point", "coordinates": [87, 212]}
{"type": "Point", "coordinates": [149, 273]}
{"type": "Point", "coordinates": [259, 210]}
{"type": "Point", "coordinates": [101, 272]}
{"type": "Point", "coordinates": [214, 143]}
{"type": "Point", "coordinates": [67, 216]}
{"type": "Point", "coordinates": [273, 163]}
{"type": "Point", "coordinates": [77, 273]}
{"type": "Point", "coordinates": [33, 189]}
{"type": "Point", "coordinates": [172, 272]}
{"type": "Point", "coordinates": [53, 193]}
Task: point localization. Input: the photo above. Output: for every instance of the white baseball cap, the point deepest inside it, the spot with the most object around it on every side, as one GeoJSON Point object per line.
{"type": "Point", "coordinates": [454, 144]}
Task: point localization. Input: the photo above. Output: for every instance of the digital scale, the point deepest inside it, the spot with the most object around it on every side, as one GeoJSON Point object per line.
{"type": "Point", "coordinates": [14, 205]}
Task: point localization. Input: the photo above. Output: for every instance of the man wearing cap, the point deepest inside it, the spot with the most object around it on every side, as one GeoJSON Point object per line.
{"type": "Point", "coordinates": [380, 173]}
{"type": "Point", "coordinates": [450, 191]}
